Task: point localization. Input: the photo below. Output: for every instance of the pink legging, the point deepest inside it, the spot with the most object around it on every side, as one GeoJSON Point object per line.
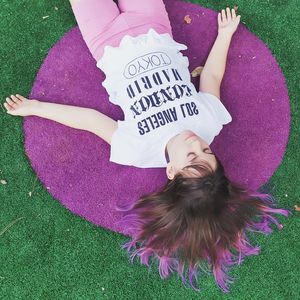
{"type": "Point", "coordinates": [103, 22]}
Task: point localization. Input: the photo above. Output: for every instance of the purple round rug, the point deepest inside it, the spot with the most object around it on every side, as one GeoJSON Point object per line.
{"type": "Point", "coordinates": [74, 164]}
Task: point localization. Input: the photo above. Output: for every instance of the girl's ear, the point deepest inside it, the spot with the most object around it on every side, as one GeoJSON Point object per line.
{"type": "Point", "coordinates": [170, 171]}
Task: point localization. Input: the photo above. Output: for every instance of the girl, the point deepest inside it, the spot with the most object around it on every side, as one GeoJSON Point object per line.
{"type": "Point", "coordinates": [200, 215]}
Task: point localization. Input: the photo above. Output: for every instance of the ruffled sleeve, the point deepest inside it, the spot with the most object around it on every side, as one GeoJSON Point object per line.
{"type": "Point", "coordinates": [216, 107]}
{"type": "Point", "coordinates": [122, 150]}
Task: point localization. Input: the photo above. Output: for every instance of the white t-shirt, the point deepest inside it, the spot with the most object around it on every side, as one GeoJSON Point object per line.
{"type": "Point", "coordinates": [148, 77]}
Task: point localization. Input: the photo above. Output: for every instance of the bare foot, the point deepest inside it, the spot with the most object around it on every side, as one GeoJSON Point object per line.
{"type": "Point", "coordinates": [18, 105]}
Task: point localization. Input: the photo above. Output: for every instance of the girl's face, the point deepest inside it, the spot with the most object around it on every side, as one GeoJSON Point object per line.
{"type": "Point", "coordinates": [185, 149]}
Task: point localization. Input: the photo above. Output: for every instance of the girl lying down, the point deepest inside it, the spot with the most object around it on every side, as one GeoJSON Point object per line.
{"type": "Point", "coordinates": [200, 216]}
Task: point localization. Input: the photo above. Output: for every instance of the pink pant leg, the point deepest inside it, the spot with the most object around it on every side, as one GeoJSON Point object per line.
{"type": "Point", "coordinates": [94, 17]}
{"type": "Point", "coordinates": [101, 23]}
{"type": "Point", "coordinates": [154, 10]}
{"type": "Point", "coordinates": [151, 7]}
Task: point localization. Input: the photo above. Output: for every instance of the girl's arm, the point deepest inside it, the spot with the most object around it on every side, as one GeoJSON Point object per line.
{"type": "Point", "coordinates": [214, 68]}
{"type": "Point", "coordinates": [216, 61]}
{"type": "Point", "coordinates": [76, 117]}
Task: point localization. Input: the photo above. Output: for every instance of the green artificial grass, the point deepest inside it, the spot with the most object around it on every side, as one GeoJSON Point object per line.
{"type": "Point", "coordinates": [46, 252]}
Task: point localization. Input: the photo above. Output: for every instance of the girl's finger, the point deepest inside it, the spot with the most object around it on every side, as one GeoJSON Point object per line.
{"type": "Point", "coordinates": [233, 13]}
{"type": "Point", "coordinates": [21, 97]}
{"type": "Point", "coordinates": [219, 18]}
{"type": "Point", "coordinates": [8, 107]}
{"type": "Point", "coordinates": [15, 99]}
{"type": "Point", "coordinates": [223, 15]}
{"type": "Point", "coordinates": [228, 13]}
{"type": "Point", "coordinates": [10, 102]}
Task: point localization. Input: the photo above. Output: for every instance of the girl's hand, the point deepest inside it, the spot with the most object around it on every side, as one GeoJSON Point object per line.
{"type": "Point", "coordinates": [19, 105]}
{"type": "Point", "coordinates": [228, 24]}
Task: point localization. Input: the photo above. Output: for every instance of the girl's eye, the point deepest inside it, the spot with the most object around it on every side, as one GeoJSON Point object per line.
{"type": "Point", "coordinates": [191, 153]}
{"type": "Point", "coordinates": [207, 150]}
{"type": "Point", "coordinates": [204, 150]}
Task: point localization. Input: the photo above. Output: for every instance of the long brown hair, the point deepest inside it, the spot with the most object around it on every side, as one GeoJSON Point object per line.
{"type": "Point", "coordinates": [198, 220]}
